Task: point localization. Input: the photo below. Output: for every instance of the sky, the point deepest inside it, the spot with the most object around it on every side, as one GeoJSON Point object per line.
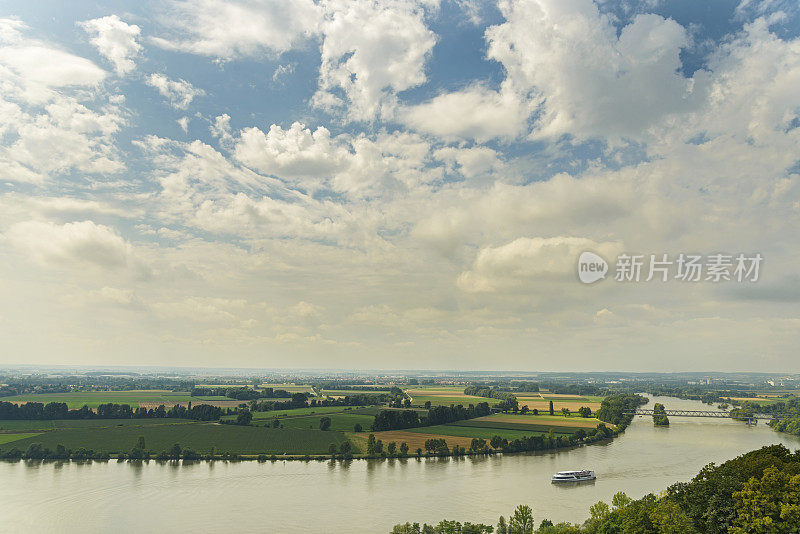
{"type": "Point", "coordinates": [399, 184]}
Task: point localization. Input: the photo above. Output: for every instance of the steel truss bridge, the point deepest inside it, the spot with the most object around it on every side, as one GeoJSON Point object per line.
{"type": "Point", "coordinates": [701, 413]}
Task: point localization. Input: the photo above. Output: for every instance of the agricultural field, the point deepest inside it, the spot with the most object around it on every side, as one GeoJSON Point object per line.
{"type": "Point", "coordinates": [8, 438]}
{"type": "Point", "coordinates": [509, 426]}
{"type": "Point", "coordinates": [572, 404]}
{"type": "Point", "coordinates": [347, 392]}
{"type": "Point", "coordinates": [291, 387]}
{"type": "Point", "coordinates": [200, 437]}
{"type": "Point", "coordinates": [468, 432]}
{"type": "Point", "coordinates": [135, 398]}
{"type": "Point", "coordinates": [296, 412]}
{"type": "Point", "coordinates": [416, 440]}
{"type": "Point", "coordinates": [22, 425]}
{"type": "Point", "coordinates": [344, 422]}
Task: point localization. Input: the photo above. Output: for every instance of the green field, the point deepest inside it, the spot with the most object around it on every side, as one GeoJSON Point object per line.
{"type": "Point", "coordinates": [93, 399]}
{"type": "Point", "coordinates": [346, 392]}
{"type": "Point", "coordinates": [340, 421]}
{"type": "Point", "coordinates": [472, 432]}
{"type": "Point", "coordinates": [447, 401]}
{"type": "Point", "coordinates": [524, 427]}
{"type": "Point", "coordinates": [8, 438]}
{"type": "Point", "coordinates": [570, 398]}
{"type": "Point", "coordinates": [15, 425]}
{"type": "Point", "coordinates": [200, 437]}
{"type": "Point", "coordinates": [291, 388]}
{"type": "Point", "coordinates": [280, 414]}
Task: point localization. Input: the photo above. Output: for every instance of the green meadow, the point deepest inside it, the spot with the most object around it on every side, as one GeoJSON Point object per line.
{"type": "Point", "coordinates": [17, 425]}
{"type": "Point", "coordinates": [200, 437]}
{"type": "Point", "coordinates": [93, 399]}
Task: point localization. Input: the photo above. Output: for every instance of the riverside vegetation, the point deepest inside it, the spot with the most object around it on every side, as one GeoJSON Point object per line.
{"type": "Point", "coordinates": [757, 492]}
{"type": "Point", "coordinates": [278, 428]}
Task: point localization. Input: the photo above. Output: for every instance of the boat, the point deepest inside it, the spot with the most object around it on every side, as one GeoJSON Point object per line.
{"type": "Point", "coordinates": [574, 476]}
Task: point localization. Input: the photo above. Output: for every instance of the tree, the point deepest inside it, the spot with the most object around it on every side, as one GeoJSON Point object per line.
{"type": "Point", "coordinates": [357, 428]}
{"type": "Point", "coordinates": [427, 405]}
{"type": "Point", "coordinates": [419, 451]}
{"type": "Point", "coordinates": [140, 443]}
{"type": "Point", "coordinates": [391, 448]}
{"type": "Point", "coordinates": [332, 450]}
{"type": "Point", "coordinates": [522, 521]}
{"type": "Point", "coordinates": [477, 445]}
{"type": "Point", "coordinates": [324, 423]}
{"type": "Point", "coordinates": [565, 412]}
{"type": "Point", "coordinates": [770, 504]}
{"type": "Point", "coordinates": [404, 449]}
{"type": "Point", "coordinates": [496, 442]}
{"type": "Point", "coordinates": [524, 409]}
{"type": "Point", "coordinates": [502, 528]}
{"type": "Point", "coordinates": [276, 423]}
{"type": "Point", "coordinates": [174, 452]}
{"type": "Point", "coordinates": [585, 411]}
{"type": "Point", "coordinates": [244, 417]}
{"type": "Point", "coordinates": [371, 444]}
{"type": "Point", "coordinates": [552, 412]}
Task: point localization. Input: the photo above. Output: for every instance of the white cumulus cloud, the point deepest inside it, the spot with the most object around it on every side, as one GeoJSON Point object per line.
{"type": "Point", "coordinates": [115, 40]}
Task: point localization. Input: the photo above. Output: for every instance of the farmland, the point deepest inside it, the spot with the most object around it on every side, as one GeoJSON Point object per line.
{"type": "Point", "coordinates": [8, 438]}
{"type": "Point", "coordinates": [134, 398]}
{"type": "Point", "coordinates": [22, 425]}
{"type": "Point", "coordinates": [200, 437]}
{"type": "Point", "coordinates": [339, 421]}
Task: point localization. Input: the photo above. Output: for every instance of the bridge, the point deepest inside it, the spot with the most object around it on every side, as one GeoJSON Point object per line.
{"type": "Point", "coordinates": [700, 413]}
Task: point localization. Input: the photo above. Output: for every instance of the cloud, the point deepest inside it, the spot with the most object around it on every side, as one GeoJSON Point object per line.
{"type": "Point", "coordinates": [296, 152]}
{"type": "Point", "coordinates": [50, 67]}
{"type": "Point", "coordinates": [530, 264]}
{"type": "Point", "coordinates": [229, 30]}
{"type": "Point", "coordinates": [357, 165]}
{"type": "Point", "coordinates": [470, 162]}
{"type": "Point", "coordinates": [55, 115]}
{"type": "Point", "coordinates": [180, 93]}
{"type": "Point", "coordinates": [475, 112]}
{"type": "Point", "coordinates": [73, 244]}
{"type": "Point", "coordinates": [115, 40]}
{"type": "Point", "coordinates": [568, 72]}
{"type": "Point", "coordinates": [370, 52]}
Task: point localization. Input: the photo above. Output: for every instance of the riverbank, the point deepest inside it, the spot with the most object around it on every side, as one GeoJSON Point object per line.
{"type": "Point", "coordinates": [187, 496]}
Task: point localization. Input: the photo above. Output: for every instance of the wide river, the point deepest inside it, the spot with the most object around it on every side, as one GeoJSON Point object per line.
{"type": "Point", "coordinates": [362, 496]}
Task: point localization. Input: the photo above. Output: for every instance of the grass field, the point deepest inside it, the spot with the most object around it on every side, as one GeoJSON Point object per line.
{"type": "Point", "coordinates": [469, 432]}
{"type": "Point", "coordinates": [417, 440]}
{"type": "Point", "coordinates": [551, 420]}
{"type": "Point", "coordinates": [134, 398]}
{"type": "Point", "coordinates": [339, 421]}
{"type": "Point", "coordinates": [317, 410]}
{"type": "Point", "coordinates": [346, 392]}
{"type": "Point", "coordinates": [200, 437]}
{"type": "Point", "coordinates": [528, 428]}
{"type": "Point", "coordinates": [291, 388]}
{"type": "Point", "coordinates": [17, 425]}
{"type": "Point", "coordinates": [441, 400]}
{"type": "Point", "coordinates": [8, 438]}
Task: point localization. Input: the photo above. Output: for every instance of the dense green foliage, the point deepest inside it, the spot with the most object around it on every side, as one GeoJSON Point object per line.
{"type": "Point", "coordinates": [200, 437]}
{"type": "Point", "coordinates": [758, 492]}
{"type": "Point", "coordinates": [437, 415]}
{"type": "Point", "coordinates": [612, 409]}
{"type": "Point", "coordinates": [58, 410]}
{"type": "Point", "coordinates": [660, 415]}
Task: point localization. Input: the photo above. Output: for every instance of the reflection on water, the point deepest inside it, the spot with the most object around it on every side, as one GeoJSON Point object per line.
{"type": "Point", "coordinates": [362, 496]}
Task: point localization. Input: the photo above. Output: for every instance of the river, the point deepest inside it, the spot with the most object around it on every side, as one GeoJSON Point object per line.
{"type": "Point", "coordinates": [362, 496]}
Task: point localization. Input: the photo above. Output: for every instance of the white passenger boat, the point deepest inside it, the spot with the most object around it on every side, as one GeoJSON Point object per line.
{"type": "Point", "coordinates": [574, 476]}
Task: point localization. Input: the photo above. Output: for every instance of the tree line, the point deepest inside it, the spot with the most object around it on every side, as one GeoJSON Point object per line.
{"type": "Point", "coordinates": [757, 492]}
{"type": "Point", "coordinates": [437, 415]}
{"type": "Point", "coordinates": [60, 410]}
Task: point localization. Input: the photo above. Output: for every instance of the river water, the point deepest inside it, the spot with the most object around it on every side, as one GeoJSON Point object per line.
{"type": "Point", "coordinates": [363, 496]}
